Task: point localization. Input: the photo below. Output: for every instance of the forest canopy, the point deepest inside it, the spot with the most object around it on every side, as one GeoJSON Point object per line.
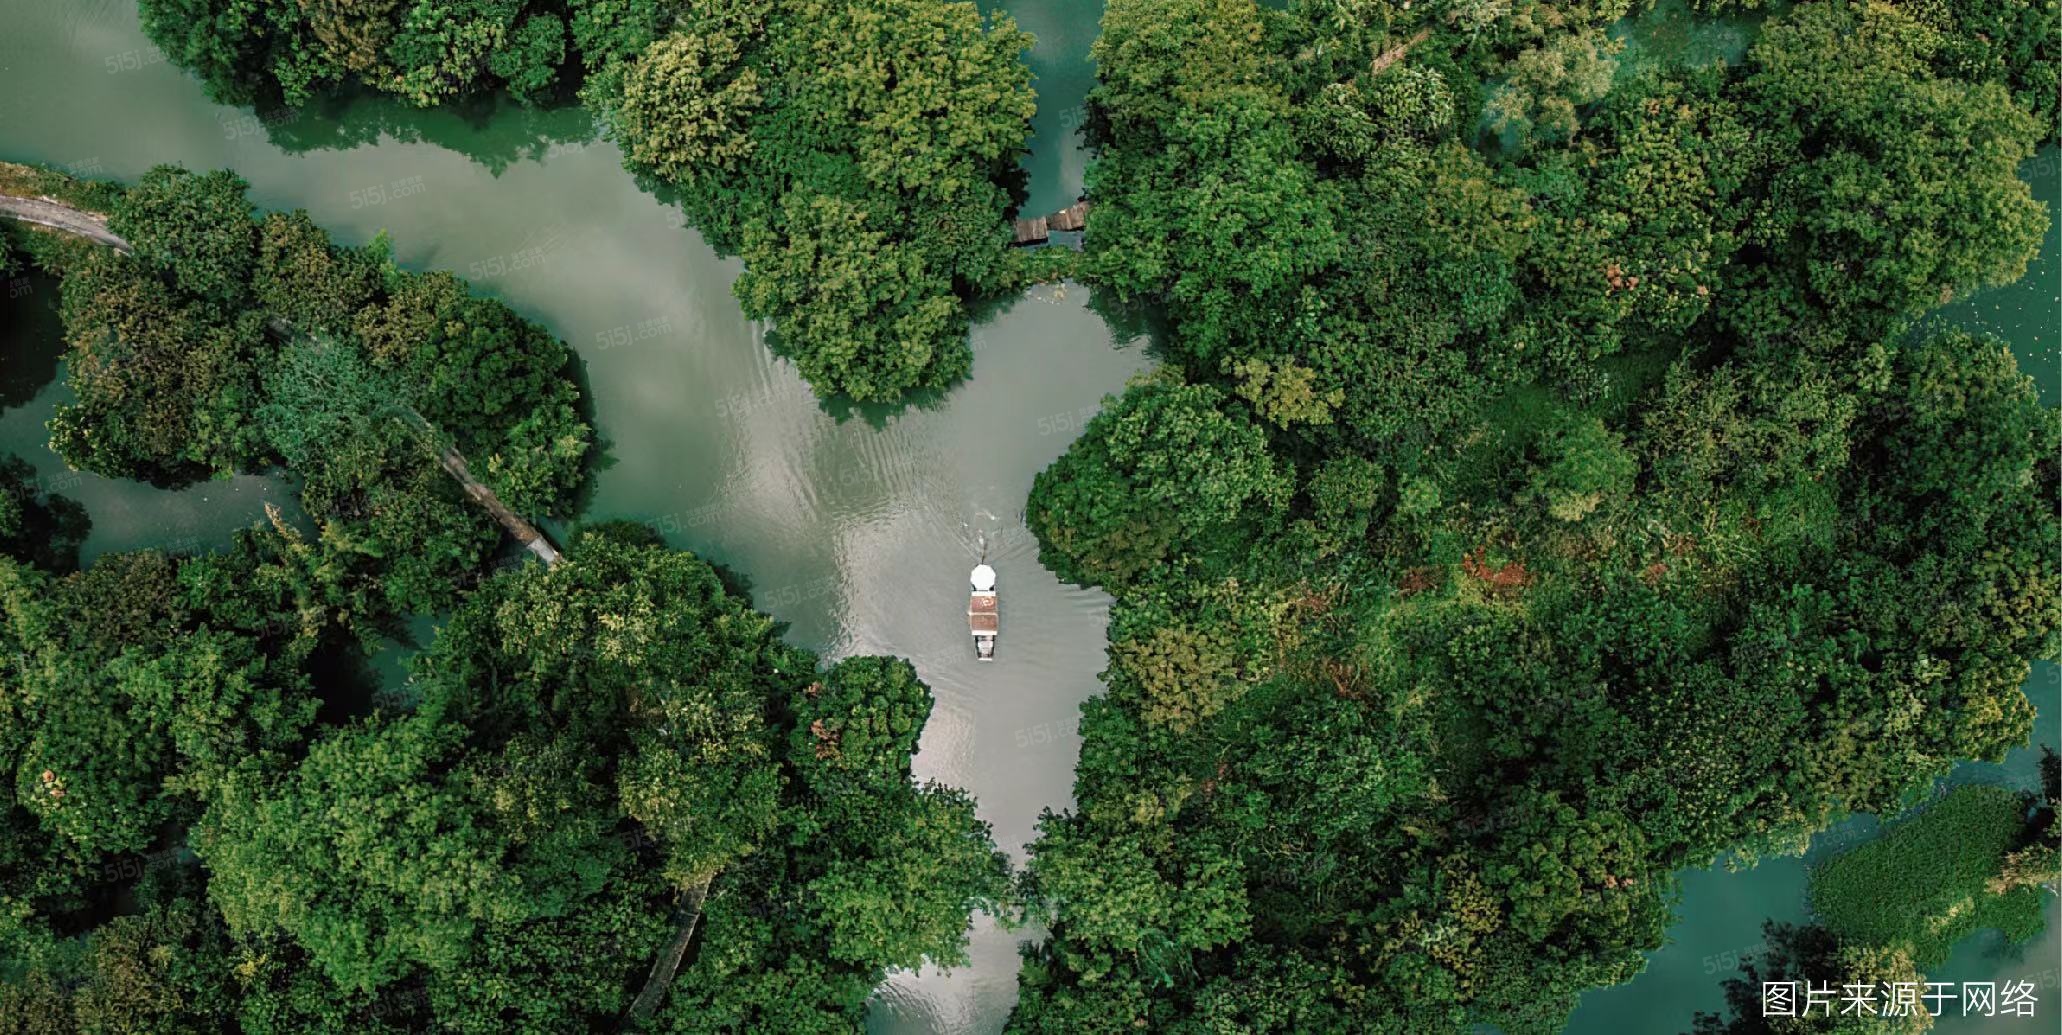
{"type": "Point", "coordinates": [1557, 476]}
{"type": "Point", "coordinates": [608, 795]}
{"type": "Point", "coordinates": [587, 753]}
{"type": "Point", "coordinates": [1553, 483]}
{"type": "Point", "coordinates": [227, 342]}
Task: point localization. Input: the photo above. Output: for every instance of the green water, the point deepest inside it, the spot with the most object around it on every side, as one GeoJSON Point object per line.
{"type": "Point", "coordinates": [855, 528]}
{"type": "Point", "coordinates": [1064, 29]}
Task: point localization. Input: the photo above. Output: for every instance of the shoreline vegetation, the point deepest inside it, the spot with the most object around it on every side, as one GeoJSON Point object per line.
{"type": "Point", "coordinates": [206, 340]}
{"type": "Point", "coordinates": [857, 154]}
{"type": "Point", "coordinates": [1545, 491]}
{"type": "Point", "coordinates": [595, 760]}
{"type": "Point", "coordinates": [1547, 486]}
{"type": "Point", "coordinates": [46, 211]}
{"type": "Point", "coordinates": [1888, 910]}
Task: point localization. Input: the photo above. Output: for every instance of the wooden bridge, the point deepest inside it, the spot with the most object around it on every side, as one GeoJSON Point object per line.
{"type": "Point", "coordinates": [1039, 230]}
{"type": "Point", "coordinates": [53, 214]}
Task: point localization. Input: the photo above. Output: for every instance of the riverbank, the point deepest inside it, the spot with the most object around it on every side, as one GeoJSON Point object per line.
{"type": "Point", "coordinates": [854, 526]}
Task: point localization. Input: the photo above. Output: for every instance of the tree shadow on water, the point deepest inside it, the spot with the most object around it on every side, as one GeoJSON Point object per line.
{"type": "Point", "coordinates": [491, 130]}
{"type": "Point", "coordinates": [31, 337]}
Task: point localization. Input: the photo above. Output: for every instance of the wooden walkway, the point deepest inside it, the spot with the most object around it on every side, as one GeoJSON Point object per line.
{"type": "Point", "coordinates": [1039, 230]}
{"type": "Point", "coordinates": [56, 215]}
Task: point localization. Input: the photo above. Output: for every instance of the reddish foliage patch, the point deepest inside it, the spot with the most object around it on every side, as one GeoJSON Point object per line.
{"type": "Point", "coordinates": [826, 741]}
{"type": "Point", "coordinates": [1318, 601]}
{"type": "Point", "coordinates": [1616, 276]}
{"type": "Point", "coordinates": [1506, 576]}
{"type": "Point", "coordinates": [1418, 580]}
{"type": "Point", "coordinates": [1210, 785]}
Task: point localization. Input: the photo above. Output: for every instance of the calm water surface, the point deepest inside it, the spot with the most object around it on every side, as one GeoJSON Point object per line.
{"type": "Point", "coordinates": [855, 527]}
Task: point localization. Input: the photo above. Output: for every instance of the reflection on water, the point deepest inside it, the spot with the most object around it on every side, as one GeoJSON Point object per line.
{"type": "Point", "coordinates": [1064, 30]}
{"type": "Point", "coordinates": [855, 527]}
{"type": "Point", "coordinates": [30, 330]}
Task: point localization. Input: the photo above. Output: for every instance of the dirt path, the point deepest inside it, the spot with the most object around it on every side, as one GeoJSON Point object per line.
{"type": "Point", "coordinates": [59, 216]}
{"type": "Point", "coordinates": [49, 212]}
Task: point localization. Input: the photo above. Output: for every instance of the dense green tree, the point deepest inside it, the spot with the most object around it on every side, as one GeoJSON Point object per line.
{"type": "Point", "coordinates": [194, 228]}
{"type": "Point", "coordinates": [1581, 466]}
{"type": "Point", "coordinates": [2001, 41]}
{"type": "Point", "coordinates": [593, 740]}
{"type": "Point", "coordinates": [850, 153]}
{"type": "Point", "coordinates": [1163, 466]}
{"type": "Point", "coordinates": [125, 714]}
{"type": "Point", "coordinates": [856, 729]}
{"type": "Point", "coordinates": [863, 314]}
{"type": "Point", "coordinates": [163, 968]}
{"type": "Point", "coordinates": [165, 386]}
{"type": "Point", "coordinates": [1878, 167]}
{"type": "Point", "coordinates": [1636, 221]}
{"type": "Point", "coordinates": [497, 385]}
{"type": "Point", "coordinates": [1446, 565]}
{"type": "Point", "coordinates": [684, 104]}
{"type": "Point", "coordinates": [306, 281]}
{"type": "Point", "coordinates": [425, 50]}
{"type": "Point", "coordinates": [1547, 84]}
{"type": "Point", "coordinates": [1484, 491]}
{"type": "Point", "coordinates": [384, 849]}
{"type": "Point", "coordinates": [118, 732]}
{"type": "Point", "coordinates": [607, 34]}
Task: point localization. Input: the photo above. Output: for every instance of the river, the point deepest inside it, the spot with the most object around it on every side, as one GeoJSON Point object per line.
{"type": "Point", "coordinates": [856, 527]}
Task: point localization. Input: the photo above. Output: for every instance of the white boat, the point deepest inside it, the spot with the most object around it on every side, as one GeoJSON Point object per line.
{"type": "Point", "coordinates": [982, 618]}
